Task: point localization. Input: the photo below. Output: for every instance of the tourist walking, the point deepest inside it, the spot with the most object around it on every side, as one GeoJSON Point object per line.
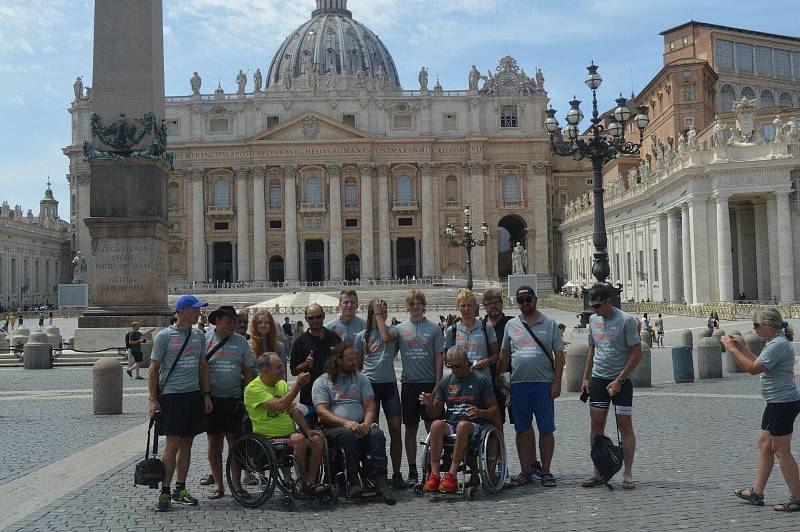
{"type": "Point", "coordinates": [775, 364]}
{"type": "Point", "coordinates": [133, 341]}
{"type": "Point", "coordinates": [659, 324]}
{"type": "Point", "coordinates": [614, 352]}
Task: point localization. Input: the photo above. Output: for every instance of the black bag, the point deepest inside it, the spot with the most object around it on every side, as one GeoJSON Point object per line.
{"type": "Point", "coordinates": [150, 471]}
{"type": "Point", "coordinates": [607, 457]}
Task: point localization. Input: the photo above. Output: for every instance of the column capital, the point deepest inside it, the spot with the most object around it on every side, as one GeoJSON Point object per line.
{"type": "Point", "coordinates": [366, 170]}
{"type": "Point", "coordinates": [427, 168]}
{"type": "Point", "coordinates": [476, 167]}
{"type": "Point", "coordinates": [241, 172]}
{"type": "Point", "coordinates": [721, 196]}
{"type": "Point", "coordinates": [197, 174]}
{"type": "Point", "coordinates": [258, 172]}
{"type": "Point", "coordinates": [334, 170]}
{"type": "Point", "coordinates": [382, 169]}
{"type": "Point", "coordinates": [82, 178]}
{"type": "Point", "coordinates": [290, 171]}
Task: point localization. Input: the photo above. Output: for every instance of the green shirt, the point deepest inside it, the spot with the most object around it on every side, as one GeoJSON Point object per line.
{"type": "Point", "coordinates": [268, 423]}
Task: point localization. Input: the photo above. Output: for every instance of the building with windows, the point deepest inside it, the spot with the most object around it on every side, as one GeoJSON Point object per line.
{"type": "Point", "coordinates": [34, 254]}
{"type": "Point", "coordinates": [332, 171]}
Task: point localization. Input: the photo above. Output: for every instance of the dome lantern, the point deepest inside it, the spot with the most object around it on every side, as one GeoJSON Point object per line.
{"type": "Point", "coordinates": [332, 7]}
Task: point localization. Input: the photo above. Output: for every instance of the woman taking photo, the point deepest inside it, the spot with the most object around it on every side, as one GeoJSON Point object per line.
{"type": "Point", "coordinates": [775, 364]}
{"type": "Point", "coordinates": [264, 337]}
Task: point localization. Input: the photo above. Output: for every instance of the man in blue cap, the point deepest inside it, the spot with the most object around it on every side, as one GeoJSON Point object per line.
{"type": "Point", "coordinates": [179, 387]}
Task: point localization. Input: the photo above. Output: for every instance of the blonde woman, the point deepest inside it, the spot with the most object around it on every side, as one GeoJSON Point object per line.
{"type": "Point", "coordinates": [264, 337]}
{"type": "Point", "coordinates": [775, 364]}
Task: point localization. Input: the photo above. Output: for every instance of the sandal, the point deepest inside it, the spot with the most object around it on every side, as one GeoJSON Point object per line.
{"type": "Point", "coordinates": [519, 480]}
{"type": "Point", "coordinates": [592, 482]}
{"type": "Point", "coordinates": [215, 494]}
{"type": "Point", "coordinates": [757, 499]}
{"type": "Point", "coordinates": [792, 505]}
{"type": "Point", "coordinates": [548, 480]}
{"type": "Point", "coordinates": [628, 485]}
{"type": "Point", "coordinates": [207, 480]}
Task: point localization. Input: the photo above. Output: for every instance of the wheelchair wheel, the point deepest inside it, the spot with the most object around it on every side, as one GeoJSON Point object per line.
{"type": "Point", "coordinates": [254, 454]}
{"type": "Point", "coordinates": [426, 464]}
{"type": "Point", "coordinates": [492, 460]}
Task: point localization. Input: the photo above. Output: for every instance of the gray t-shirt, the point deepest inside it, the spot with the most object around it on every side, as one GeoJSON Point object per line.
{"type": "Point", "coordinates": [345, 398]}
{"type": "Point", "coordinates": [347, 330]}
{"type": "Point", "coordinates": [528, 362]}
{"type": "Point", "coordinates": [612, 338]}
{"type": "Point", "coordinates": [419, 342]}
{"type": "Point", "coordinates": [167, 343]}
{"type": "Point", "coordinates": [226, 364]}
{"type": "Point", "coordinates": [777, 383]}
{"type": "Point", "coordinates": [473, 341]}
{"type": "Point", "coordinates": [659, 325]}
{"type": "Point", "coordinates": [378, 356]}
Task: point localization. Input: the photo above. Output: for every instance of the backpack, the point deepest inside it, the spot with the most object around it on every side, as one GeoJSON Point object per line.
{"type": "Point", "coordinates": [607, 457]}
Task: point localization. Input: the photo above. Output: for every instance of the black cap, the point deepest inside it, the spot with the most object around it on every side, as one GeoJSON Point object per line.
{"type": "Point", "coordinates": [224, 310]}
{"type": "Point", "coordinates": [525, 290]}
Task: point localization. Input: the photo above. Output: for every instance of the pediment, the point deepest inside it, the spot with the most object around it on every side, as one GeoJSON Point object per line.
{"type": "Point", "coordinates": [307, 127]}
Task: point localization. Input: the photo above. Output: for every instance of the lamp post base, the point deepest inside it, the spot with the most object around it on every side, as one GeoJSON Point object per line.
{"type": "Point", "coordinates": [588, 311]}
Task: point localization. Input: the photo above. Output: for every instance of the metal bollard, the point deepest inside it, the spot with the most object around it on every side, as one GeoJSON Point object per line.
{"type": "Point", "coordinates": [682, 364]}
{"type": "Point", "coordinates": [576, 363]}
{"type": "Point", "coordinates": [709, 359]}
{"type": "Point", "coordinates": [107, 387]}
{"type": "Point", "coordinates": [642, 377]}
{"type": "Point", "coordinates": [36, 352]}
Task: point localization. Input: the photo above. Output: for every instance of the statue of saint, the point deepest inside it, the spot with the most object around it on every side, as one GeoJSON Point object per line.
{"type": "Point", "coordinates": [474, 76]}
{"type": "Point", "coordinates": [718, 138]}
{"type": "Point", "coordinates": [777, 128]}
{"type": "Point", "coordinates": [691, 139]}
{"type": "Point", "coordinates": [78, 87]}
{"type": "Point", "coordinates": [381, 78]}
{"type": "Point", "coordinates": [331, 85]}
{"type": "Point", "coordinates": [258, 80]}
{"type": "Point", "coordinates": [79, 268]}
{"type": "Point", "coordinates": [437, 89]}
{"type": "Point", "coordinates": [195, 82]}
{"type": "Point", "coordinates": [519, 258]}
{"type": "Point", "coordinates": [790, 131]}
{"type": "Point", "coordinates": [423, 79]}
{"type": "Point", "coordinates": [539, 79]}
{"type": "Point", "coordinates": [361, 79]}
{"type": "Point", "coordinates": [241, 81]}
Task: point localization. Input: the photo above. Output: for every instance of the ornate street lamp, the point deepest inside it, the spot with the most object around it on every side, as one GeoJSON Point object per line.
{"type": "Point", "coordinates": [467, 241]}
{"type": "Point", "coordinates": [602, 145]}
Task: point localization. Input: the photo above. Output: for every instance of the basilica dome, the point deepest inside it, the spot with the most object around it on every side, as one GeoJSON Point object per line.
{"type": "Point", "coordinates": [332, 39]}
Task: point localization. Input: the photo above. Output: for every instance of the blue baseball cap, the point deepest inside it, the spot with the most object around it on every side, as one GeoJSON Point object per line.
{"type": "Point", "coordinates": [189, 302]}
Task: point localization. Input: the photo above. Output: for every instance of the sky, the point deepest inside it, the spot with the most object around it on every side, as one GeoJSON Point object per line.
{"type": "Point", "coordinates": [45, 44]}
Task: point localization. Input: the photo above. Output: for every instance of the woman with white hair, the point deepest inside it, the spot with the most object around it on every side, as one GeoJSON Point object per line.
{"type": "Point", "coordinates": [775, 364]}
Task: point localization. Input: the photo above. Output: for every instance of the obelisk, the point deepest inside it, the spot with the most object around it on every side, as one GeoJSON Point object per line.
{"type": "Point", "coordinates": [129, 164]}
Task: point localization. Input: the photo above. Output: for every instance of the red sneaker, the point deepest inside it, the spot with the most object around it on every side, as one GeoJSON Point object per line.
{"type": "Point", "coordinates": [448, 484]}
{"type": "Point", "coordinates": [432, 484]}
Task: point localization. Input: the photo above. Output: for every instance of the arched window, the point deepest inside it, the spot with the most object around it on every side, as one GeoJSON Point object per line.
{"type": "Point", "coordinates": [173, 196]}
{"type": "Point", "coordinates": [403, 191]}
{"type": "Point", "coordinates": [767, 99]}
{"type": "Point", "coordinates": [451, 188]}
{"type": "Point", "coordinates": [726, 98]}
{"type": "Point", "coordinates": [222, 193]}
{"type": "Point", "coordinates": [350, 192]}
{"type": "Point", "coordinates": [510, 188]}
{"type": "Point", "coordinates": [313, 189]}
{"type": "Point", "coordinates": [748, 93]}
{"type": "Point", "coordinates": [275, 194]}
{"type": "Point", "coordinates": [786, 99]}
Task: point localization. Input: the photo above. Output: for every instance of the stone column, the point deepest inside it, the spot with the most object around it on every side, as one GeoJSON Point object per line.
{"type": "Point", "coordinates": [197, 177]}
{"type": "Point", "coordinates": [290, 221]}
{"type": "Point", "coordinates": [428, 230]}
{"type": "Point", "coordinates": [698, 216]}
{"type": "Point", "coordinates": [259, 225]}
{"type": "Point", "coordinates": [302, 275]}
{"type": "Point", "coordinates": [335, 195]}
{"type": "Point", "coordinates": [367, 251]}
{"type": "Point", "coordinates": [686, 242]}
{"type": "Point", "coordinates": [540, 253]}
{"type": "Point", "coordinates": [674, 258]}
{"type": "Point", "coordinates": [785, 246]}
{"type": "Point", "coordinates": [760, 218]}
{"type": "Point", "coordinates": [235, 264]}
{"type": "Point", "coordinates": [210, 261]}
{"type": "Point", "coordinates": [242, 255]}
{"type": "Point", "coordinates": [384, 213]}
{"type": "Point", "coordinates": [724, 257]}
{"type": "Point", "coordinates": [477, 201]}
{"type": "Point", "coordinates": [393, 253]}
{"type": "Point", "coordinates": [774, 266]}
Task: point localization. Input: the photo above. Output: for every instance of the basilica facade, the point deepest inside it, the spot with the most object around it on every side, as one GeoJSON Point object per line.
{"type": "Point", "coordinates": [325, 168]}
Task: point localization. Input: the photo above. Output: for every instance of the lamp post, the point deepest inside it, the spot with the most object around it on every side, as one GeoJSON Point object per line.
{"type": "Point", "coordinates": [602, 145]}
{"type": "Point", "coordinates": [467, 241]}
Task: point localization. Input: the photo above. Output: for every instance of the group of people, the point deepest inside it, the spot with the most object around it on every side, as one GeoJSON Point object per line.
{"type": "Point", "coordinates": [344, 369]}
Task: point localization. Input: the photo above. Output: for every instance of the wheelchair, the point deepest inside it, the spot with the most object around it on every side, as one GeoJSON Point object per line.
{"type": "Point", "coordinates": [485, 462]}
{"type": "Point", "coordinates": [339, 478]}
{"type": "Point", "coordinates": [272, 465]}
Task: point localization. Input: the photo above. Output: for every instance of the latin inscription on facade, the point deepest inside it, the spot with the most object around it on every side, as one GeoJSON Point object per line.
{"type": "Point", "coordinates": [324, 151]}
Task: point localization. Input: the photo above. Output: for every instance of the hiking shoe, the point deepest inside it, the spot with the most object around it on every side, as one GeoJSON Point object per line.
{"type": "Point", "coordinates": [448, 483]}
{"type": "Point", "coordinates": [397, 481]}
{"type": "Point", "coordinates": [183, 497]}
{"type": "Point", "coordinates": [536, 470]}
{"type": "Point", "coordinates": [382, 483]}
{"type": "Point", "coordinates": [164, 504]}
{"type": "Point", "coordinates": [432, 484]}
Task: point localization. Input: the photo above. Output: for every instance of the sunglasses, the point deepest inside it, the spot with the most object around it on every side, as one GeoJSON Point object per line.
{"type": "Point", "coordinates": [598, 305]}
{"type": "Point", "coordinates": [454, 366]}
{"type": "Point", "coordinates": [314, 318]}
{"type": "Point", "coordinates": [524, 299]}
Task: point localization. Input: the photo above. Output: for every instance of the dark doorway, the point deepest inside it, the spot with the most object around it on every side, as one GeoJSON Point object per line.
{"type": "Point", "coordinates": [352, 268]}
{"type": "Point", "coordinates": [406, 258]}
{"type": "Point", "coordinates": [511, 230]}
{"type": "Point", "coordinates": [276, 269]}
{"type": "Point", "coordinates": [223, 261]}
{"type": "Point", "coordinates": [315, 261]}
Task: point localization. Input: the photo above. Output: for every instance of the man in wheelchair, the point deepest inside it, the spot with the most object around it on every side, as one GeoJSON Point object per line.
{"type": "Point", "coordinates": [270, 405]}
{"type": "Point", "coordinates": [345, 404]}
{"type": "Point", "coordinates": [466, 401]}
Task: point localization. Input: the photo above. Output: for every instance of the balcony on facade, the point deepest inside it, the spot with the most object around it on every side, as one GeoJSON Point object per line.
{"type": "Point", "coordinates": [219, 210]}
{"type": "Point", "coordinates": [515, 204]}
{"type": "Point", "coordinates": [313, 207]}
{"type": "Point", "coordinates": [452, 204]}
{"type": "Point", "coordinates": [405, 206]}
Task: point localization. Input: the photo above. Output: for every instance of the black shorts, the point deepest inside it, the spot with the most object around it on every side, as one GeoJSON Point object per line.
{"type": "Point", "coordinates": [182, 414]}
{"type": "Point", "coordinates": [599, 398]}
{"type": "Point", "coordinates": [412, 409]}
{"type": "Point", "coordinates": [779, 418]}
{"type": "Point", "coordinates": [137, 355]}
{"type": "Point", "coordinates": [223, 418]}
{"type": "Point", "coordinates": [387, 398]}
